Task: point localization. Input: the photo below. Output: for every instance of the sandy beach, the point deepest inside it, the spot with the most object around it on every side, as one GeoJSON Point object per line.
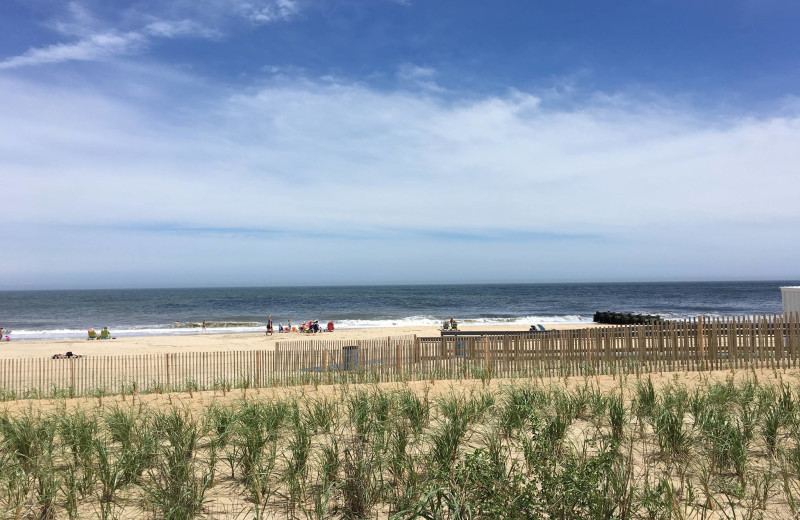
{"type": "Point", "coordinates": [215, 342]}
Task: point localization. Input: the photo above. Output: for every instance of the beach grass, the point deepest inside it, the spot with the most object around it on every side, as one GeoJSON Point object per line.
{"type": "Point", "coordinates": [592, 447]}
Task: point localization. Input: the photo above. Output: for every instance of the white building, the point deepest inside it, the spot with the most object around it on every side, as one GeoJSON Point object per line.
{"type": "Point", "coordinates": [791, 299]}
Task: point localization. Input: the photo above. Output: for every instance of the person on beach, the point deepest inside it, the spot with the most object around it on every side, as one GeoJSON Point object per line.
{"type": "Point", "coordinates": [453, 324]}
{"type": "Point", "coordinates": [269, 326]}
{"type": "Point", "coordinates": [204, 326]}
{"type": "Point", "coordinates": [289, 326]}
{"type": "Point", "coordinates": [68, 355]}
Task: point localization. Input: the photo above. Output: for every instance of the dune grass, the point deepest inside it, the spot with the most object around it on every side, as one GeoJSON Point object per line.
{"type": "Point", "coordinates": [527, 449]}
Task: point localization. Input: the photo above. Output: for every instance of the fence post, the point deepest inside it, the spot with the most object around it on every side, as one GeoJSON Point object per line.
{"type": "Point", "coordinates": [71, 377]}
{"type": "Point", "coordinates": [762, 339]}
{"type": "Point", "coordinates": [399, 354]}
{"type": "Point", "coordinates": [794, 320]}
{"type": "Point", "coordinates": [485, 353]}
{"type": "Point", "coordinates": [701, 347]}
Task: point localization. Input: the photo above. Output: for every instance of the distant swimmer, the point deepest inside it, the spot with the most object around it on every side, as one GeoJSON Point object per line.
{"type": "Point", "coordinates": [176, 324]}
{"type": "Point", "coordinates": [204, 326]}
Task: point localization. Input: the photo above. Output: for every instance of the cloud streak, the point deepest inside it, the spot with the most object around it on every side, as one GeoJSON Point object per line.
{"type": "Point", "coordinates": [268, 12]}
{"type": "Point", "coordinates": [105, 39]}
{"type": "Point", "coordinates": [96, 47]}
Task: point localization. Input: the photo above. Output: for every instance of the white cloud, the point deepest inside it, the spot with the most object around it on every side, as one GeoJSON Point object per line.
{"type": "Point", "coordinates": [107, 45]}
{"type": "Point", "coordinates": [268, 11]}
{"type": "Point", "coordinates": [180, 28]}
{"type": "Point", "coordinates": [96, 47]}
{"type": "Point", "coordinates": [660, 187]}
{"type": "Point", "coordinates": [144, 22]}
{"type": "Point", "coordinates": [421, 77]}
{"type": "Point", "coordinates": [411, 71]}
{"type": "Point", "coordinates": [79, 21]}
{"type": "Point", "coordinates": [501, 151]}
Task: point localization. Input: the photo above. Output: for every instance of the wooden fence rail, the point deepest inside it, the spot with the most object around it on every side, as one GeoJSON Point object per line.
{"type": "Point", "coordinates": [766, 341]}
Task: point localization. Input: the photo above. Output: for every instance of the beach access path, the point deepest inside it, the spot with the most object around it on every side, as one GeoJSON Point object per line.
{"type": "Point", "coordinates": [221, 342]}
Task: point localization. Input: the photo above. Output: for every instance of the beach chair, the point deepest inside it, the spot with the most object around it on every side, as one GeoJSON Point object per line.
{"type": "Point", "coordinates": [104, 334]}
{"type": "Point", "coordinates": [330, 326]}
{"type": "Point", "coordinates": [541, 327]}
{"type": "Point", "coordinates": [446, 325]}
{"type": "Point", "coordinates": [92, 334]}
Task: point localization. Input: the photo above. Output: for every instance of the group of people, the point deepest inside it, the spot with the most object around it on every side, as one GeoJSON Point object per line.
{"type": "Point", "coordinates": [104, 334]}
{"type": "Point", "coordinates": [307, 326]}
{"type": "Point", "coordinates": [68, 355]}
{"type": "Point", "coordinates": [450, 325]}
{"type": "Point", "coordinates": [310, 326]}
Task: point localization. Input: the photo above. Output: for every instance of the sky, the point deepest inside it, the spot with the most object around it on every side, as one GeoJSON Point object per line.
{"type": "Point", "coordinates": [198, 143]}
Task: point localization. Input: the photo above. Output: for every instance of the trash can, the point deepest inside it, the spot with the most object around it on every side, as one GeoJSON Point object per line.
{"type": "Point", "coordinates": [350, 357]}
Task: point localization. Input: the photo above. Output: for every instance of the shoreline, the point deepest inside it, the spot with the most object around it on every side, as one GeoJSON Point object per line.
{"type": "Point", "coordinates": [233, 327]}
{"type": "Point", "coordinates": [216, 342]}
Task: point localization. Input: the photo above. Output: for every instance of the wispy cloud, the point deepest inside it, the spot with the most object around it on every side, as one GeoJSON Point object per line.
{"type": "Point", "coordinates": [96, 47]}
{"type": "Point", "coordinates": [268, 11]}
{"type": "Point", "coordinates": [77, 21]}
{"type": "Point", "coordinates": [415, 72]}
{"type": "Point", "coordinates": [101, 39]}
{"type": "Point", "coordinates": [180, 28]}
{"type": "Point", "coordinates": [360, 233]}
{"type": "Point", "coordinates": [422, 77]}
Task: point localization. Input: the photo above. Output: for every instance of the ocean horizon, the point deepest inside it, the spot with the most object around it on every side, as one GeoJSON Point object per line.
{"type": "Point", "coordinates": [68, 314]}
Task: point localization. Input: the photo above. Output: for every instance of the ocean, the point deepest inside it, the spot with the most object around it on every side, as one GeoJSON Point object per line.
{"type": "Point", "coordinates": [143, 312]}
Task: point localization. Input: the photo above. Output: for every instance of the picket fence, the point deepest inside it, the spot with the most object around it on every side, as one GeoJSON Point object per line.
{"type": "Point", "coordinates": [740, 342]}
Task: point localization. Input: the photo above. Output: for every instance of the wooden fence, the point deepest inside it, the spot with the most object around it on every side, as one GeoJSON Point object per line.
{"type": "Point", "coordinates": [699, 344]}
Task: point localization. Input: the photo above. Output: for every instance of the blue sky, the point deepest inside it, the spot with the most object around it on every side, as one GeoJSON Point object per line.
{"type": "Point", "coordinates": [283, 142]}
